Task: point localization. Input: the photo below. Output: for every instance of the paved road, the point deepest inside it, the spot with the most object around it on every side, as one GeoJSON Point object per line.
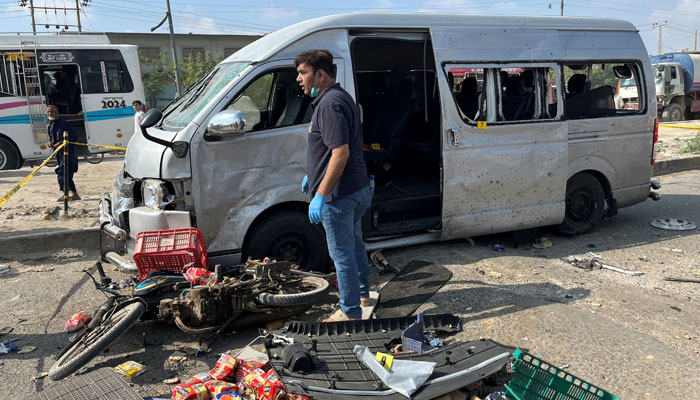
{"type": "Point", "coordinates": [636, 337]}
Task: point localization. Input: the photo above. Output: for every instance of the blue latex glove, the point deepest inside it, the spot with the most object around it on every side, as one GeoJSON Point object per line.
{"type": "Point", "coordinates": [305, 185]}
{"type": "Point", "coordinates": [315, 209]}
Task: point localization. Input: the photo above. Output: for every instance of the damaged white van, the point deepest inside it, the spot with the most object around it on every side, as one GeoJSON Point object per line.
{"type": "Point", "coordinates": [477, 124]}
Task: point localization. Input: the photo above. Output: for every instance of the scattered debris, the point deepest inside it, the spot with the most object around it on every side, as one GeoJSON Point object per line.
{"type": "Point", "coordinates": [544, 243]}
{"type": "Point", "coordinates": [66, 254]}
{"type": "Point", "coordinates": [3, 349]}
{"type": "Point", "coordinates": [499, 248]}
{"type": "Point", "coordinates": [177, 356]}
{"type": "Point", "coordinates": [675, 308]}
{"type": "Point", "coordinates": [171, 381]}
{"type": "Point", "coordinates": [12, 300]}
{"type": "Point", "coordinates": [565, 366]}
{"type": "Point", "coordinates": [52, 213]}
{"type": "Point", "coordinates": [4, 331]}
{"type": "Point", "coordinates": [471, 241]}
{"type": "Point", "coordinates": [130, 369]}
{"type": "Point", "coordinates": [26, 349]}
{"type": "Point", "coordinates": [5, 269]}
{"type": "Point", "coordinates": [687, 280]}
{"type": "Point", "coordinates": [40, 376]}
{"type": "Point", "coordinates": [381, 262]}
{"type": "Point", "coordinates": [595, 261]}
{"type": "Point", "coordinates": [673, 224]}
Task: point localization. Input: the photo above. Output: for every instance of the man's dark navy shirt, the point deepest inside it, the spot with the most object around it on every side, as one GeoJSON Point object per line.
{"type": "Point", "coordinates": [56, 129]}
{"type": "Point", "coordinates": [335, 122]}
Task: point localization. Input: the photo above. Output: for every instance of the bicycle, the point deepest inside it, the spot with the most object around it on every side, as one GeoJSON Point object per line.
{"type": "Point", "coordinates": [244, 295]}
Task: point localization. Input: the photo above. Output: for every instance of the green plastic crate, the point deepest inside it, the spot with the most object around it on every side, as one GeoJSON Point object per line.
{"type": "Point", "coordinates": [536, 379]}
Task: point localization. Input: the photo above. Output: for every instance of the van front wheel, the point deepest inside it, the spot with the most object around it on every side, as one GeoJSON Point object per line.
{"type": "Point", "coordinates": [288, 235]}
{"type": "Point", "coordinates": [585, 201]}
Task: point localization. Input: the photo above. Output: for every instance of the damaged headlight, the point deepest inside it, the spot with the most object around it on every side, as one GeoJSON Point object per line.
{"type": "Point", "coordinates": [122, 193]}
{"type": "Point", "coordinates": [155, 194]}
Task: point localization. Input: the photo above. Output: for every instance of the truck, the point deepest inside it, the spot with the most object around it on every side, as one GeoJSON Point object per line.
{"type": "Point", "coordinates": [677, 79]}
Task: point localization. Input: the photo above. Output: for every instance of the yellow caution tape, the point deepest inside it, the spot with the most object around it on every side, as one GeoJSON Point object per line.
{"type": "Point", "coordinates": [17, 187]}
{"type": "Point", "coordinates": [680, 126]}
{"type": "Point", "coordinates": [99, 145]}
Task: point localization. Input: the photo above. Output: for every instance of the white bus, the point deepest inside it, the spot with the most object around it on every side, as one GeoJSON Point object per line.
{"type": "Point", "coordinates": [89, 80]}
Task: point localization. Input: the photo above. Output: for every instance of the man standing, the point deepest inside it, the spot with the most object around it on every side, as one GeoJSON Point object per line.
{"type": "Point", "coordinates": [336, 177]}
{"type": "Point", "coordinates": [56, 128]}
{"type": "Point", "coordinates": [138, 116]}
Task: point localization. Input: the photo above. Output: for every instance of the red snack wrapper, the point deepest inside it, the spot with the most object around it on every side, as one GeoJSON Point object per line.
{"type": "Point", "coordinates": [244, 368]}
{"type": "Point", "coordinates": [217, 387]}
{"type": "Point", "coordinates": [200, 276]}
{"type": "Point", "coordinates": [77, 322]}
{"type": "Point", "coordinates": [190, 391]}
{"type": "Point", "coordinates": [225, 366]}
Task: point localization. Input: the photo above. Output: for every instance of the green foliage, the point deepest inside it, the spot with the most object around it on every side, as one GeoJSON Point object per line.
{"type": "Point", "coordinates": [693, 146]}
{"type": "Point", "coordinates": [159, 72]}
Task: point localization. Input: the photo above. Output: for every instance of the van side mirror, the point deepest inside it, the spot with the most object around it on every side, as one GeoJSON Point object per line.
{"type": "Point", "coordinates": [228, 122]}
{"type": "Point", "coordinates": [151, 118]}
{"type": "Point", "coordinates": [622, 71]}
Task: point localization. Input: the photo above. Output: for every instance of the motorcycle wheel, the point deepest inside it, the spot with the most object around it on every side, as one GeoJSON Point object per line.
{"type": "Point", "coordinates": [307, 292]}
{"type": "Point", "coordinates": [92, 342]}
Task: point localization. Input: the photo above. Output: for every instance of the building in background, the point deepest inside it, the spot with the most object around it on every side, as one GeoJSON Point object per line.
{"type": "Point", "coordinates": [153, 45]}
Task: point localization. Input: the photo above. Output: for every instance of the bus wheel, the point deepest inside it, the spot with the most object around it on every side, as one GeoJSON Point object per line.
{"type": "Point", "coordinates": [9, 157]}
{"type": "Point", "coordinates": [288, 235]}
{"type": "Point", "coordinates": [585, 202]}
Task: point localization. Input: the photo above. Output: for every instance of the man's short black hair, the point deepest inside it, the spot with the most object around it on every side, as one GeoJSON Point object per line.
{"type": "Point", "coordinates": [317, 59]}
{"type": "Point", "coordinates": [136, 102]}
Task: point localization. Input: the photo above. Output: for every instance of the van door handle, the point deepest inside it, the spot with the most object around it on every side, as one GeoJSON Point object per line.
{"type": "Point", "coordinates": [455, 136]}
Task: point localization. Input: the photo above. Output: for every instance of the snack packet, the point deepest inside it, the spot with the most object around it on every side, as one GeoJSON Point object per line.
{"type": "Point", "coordinates": [200, 276]}
{"type": "Point", "coordinates": [217, 387]}
{"type": "Point", "coordinates": [244, 368]}
{"type": "Point", "coordinates": [130, 369]}
{"type": "Point", "coordinates": [225, 366]}
{"type": "Point", "coordinates": [77, 322]}
{"type": "Point", "coordinates": [190, 391]}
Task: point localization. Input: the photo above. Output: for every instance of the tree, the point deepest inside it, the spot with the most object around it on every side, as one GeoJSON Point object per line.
{"type": "Point", "coordinates": [160, 72]}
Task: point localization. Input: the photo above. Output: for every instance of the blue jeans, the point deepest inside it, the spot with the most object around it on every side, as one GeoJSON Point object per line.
{"type": "Point", "coordinates": [342, 219]}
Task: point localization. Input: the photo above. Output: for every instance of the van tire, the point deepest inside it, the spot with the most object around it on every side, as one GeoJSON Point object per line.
{"type": "Point", "coordinates": [585, 203]}
{"type": "Point", "coordinates": [289, 235]}
{"type": "Point", "coordinates": [9, 157]}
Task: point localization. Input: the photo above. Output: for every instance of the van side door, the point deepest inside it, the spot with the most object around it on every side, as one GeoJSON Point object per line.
{"type": "Point", "coordinates": [504, 146]}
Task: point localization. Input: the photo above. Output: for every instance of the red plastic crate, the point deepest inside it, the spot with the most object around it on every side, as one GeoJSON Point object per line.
{"type": "Point", "coordinates": [172, 250]}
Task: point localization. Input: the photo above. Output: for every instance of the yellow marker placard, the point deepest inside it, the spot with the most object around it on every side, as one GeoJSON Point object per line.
{"type": "Point", "coordinates": [376, 146]}
{"type": "Point", "coordinates": [480, 124]}
{"type": "Point", "coordinates": [386, 360]}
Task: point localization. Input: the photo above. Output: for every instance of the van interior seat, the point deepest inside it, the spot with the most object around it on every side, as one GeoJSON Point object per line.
{"type": "Point", "coordinates": [602, 102]}
{"type": "Point", "coordinates": [515, 99]}
{"type": "Point", "coordinates": [576, 84]}
{"type": "Point", "coordinates": [468, 97]}
{"type": "Point", "coordinates": [296, 108]}
{"type": "Point", "coordinates": [391, 127]}
{"type": "Point", "coordinates": [279, 103]}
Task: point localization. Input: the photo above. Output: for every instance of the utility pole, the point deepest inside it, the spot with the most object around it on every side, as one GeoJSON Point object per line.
{"type": "Point", "coordinates": [169, 17]}
{"type": "Point", "coordinates": [660, 27]}
{"type": "Point", "coordinates": [562, 8]}
{"type": "Point", "coordinates": [31, 8]}
{"type": "Point", "coordinates": [77, 13]}
{"type": "Point", "coordinates": [695, 42]}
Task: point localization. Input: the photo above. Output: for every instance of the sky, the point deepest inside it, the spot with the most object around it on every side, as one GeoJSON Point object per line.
{"type": "Point", "coordinates": [678, 18]}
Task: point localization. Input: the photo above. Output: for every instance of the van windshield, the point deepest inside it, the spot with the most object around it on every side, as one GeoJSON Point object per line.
{"type": "Point", "coordinates": [183, 109]}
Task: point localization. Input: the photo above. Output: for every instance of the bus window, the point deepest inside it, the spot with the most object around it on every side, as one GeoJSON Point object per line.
{"type": "Point", "coordinates": [104, 71]}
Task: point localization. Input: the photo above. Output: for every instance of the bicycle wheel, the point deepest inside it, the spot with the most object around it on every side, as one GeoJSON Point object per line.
{"type": "Point", "coordinates": [305, 292]}
{"type": "Point", "coordinates": [95, 158]}
{"type": "Point", "coordinates": [93, 342]}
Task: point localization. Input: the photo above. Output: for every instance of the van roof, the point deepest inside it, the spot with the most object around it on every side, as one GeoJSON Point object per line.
{"type": "Point", "coordinates": [268, 45]}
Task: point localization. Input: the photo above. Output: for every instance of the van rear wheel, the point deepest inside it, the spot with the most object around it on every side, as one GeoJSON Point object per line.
{"type": "Point", "coordinates": [585, 202]}
{"type": "Point", "coordinates": [288, 235]}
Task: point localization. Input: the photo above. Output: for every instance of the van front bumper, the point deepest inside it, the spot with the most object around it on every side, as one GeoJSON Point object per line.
{"type": "Point", "coordinates": [113, 239]}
